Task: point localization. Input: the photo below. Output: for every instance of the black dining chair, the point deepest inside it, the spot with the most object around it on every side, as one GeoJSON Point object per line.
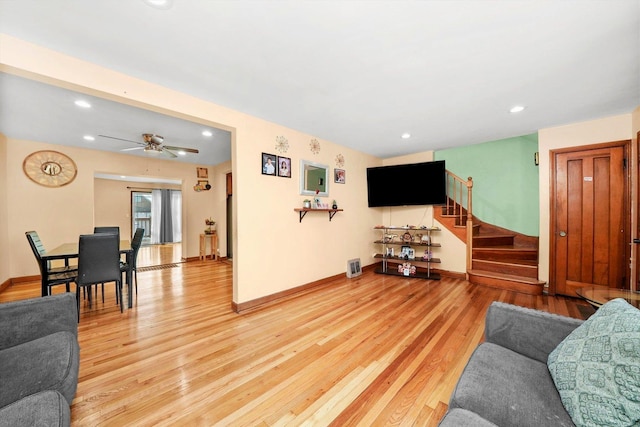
{"type": "Point", "coordinates": [55, 275]}
{"type": "Point", "coordinates": [136, 242]}
{"type": "Point", "coordinates": [106, 229]}
{"type": "Point", "coordinates": [110, 229]}
{"type": "Point", "coordinates": [98, 262]}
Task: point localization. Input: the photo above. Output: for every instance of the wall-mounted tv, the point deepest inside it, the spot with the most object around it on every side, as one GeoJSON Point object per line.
{"type": "Point", "coordinates": [411, 184]}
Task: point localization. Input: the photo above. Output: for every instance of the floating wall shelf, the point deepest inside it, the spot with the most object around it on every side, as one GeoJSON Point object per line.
{"type": "Point", "coordinates": [303, 212]}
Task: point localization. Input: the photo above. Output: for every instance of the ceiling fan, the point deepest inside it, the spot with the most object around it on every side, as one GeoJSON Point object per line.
{"type": "Point", "coordinates": [153, 145]}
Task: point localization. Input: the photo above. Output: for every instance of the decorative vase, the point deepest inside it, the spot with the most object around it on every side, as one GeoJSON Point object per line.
{"type": "Point", "coordinates": [335, 206]}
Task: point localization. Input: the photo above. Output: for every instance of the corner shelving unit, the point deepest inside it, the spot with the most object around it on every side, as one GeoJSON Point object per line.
{"type": "Point", "coordinates": [396, 237]}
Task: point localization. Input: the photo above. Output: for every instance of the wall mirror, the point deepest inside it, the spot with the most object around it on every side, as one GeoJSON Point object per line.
{"type": "Point", "coordinates": [314, 177]}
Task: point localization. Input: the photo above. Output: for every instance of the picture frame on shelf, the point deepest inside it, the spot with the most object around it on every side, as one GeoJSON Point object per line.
{"type": "Point", "coordinates": [284, 167]}
{"type": "Point", "coordinates": [269, 164]}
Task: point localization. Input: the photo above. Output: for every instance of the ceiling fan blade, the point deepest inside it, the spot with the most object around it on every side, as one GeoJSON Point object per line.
{"type": "Point", "coordinates": [168, 153]}
{"type": "Point", "coordinates": [131, 149]}
{"type": "Point", "coordinates": [186, 150]}
{"type": "Point", "coordinates": [122, 139]}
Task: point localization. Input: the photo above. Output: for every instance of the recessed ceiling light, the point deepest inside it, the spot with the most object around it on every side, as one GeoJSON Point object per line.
{"type": "Point", "coordinates": [516, 109]}
{"type": "Point", "coordinates": [83, 104]}
{"type": "Point", "coordinates": [406, 135]}
{"type": "Point", "coordinates": [88, 138]}
{"type": "Point", "coordinates": [159, 4]}
{"type": "Point", "coordinates": [207, 133]}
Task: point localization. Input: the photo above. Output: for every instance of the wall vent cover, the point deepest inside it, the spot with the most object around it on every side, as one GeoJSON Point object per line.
{"type": "Point", "coordinates": [354, 268]}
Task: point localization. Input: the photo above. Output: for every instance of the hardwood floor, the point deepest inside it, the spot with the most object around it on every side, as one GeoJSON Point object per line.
{"type": "Point", "coordinates": [375, 350]}
{"type": "Point", "coordinates": [151, 255]}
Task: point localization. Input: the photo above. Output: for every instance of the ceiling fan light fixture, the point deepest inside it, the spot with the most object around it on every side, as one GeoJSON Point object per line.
{"type": "Point", "coordinates": [152, 149]}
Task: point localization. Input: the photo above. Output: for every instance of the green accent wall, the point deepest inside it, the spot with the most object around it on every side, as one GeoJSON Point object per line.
{"type": "Point", "coordinates": [505, 180]}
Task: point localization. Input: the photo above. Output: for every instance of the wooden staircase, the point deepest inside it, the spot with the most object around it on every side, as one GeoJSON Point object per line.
{"type": "Point", "coordinates": [499, 258]}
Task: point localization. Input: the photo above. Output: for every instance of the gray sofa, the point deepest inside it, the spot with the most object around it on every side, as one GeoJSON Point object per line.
{"type": "Point", "coordinates": [506, 381]}
{"type": "Point", "coordinates": [39, 361]}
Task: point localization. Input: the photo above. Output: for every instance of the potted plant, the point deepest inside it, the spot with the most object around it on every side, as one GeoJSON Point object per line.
{"type": "Point", "coordinates": [211, 225]}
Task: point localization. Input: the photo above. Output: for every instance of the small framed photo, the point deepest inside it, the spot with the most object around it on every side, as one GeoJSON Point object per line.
{"type": "Point", "coordinates": [284, 167]}
{"type": "Point", "coordinates": [269, 164]}
{"type": "Point", "coordinates": [203, 173]}
{"type": "Point", "coordinates": [339, 176]}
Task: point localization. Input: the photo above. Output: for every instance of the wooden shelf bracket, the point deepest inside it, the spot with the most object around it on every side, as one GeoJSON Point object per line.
{"type": "Point", "coordinates": [303, 212]}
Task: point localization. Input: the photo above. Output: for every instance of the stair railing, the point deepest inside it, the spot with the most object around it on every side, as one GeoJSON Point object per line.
{"type": "Point", "coordinates": [459, 203]}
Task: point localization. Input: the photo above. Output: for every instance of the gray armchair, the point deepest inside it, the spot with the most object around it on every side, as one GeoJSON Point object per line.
{"type": "Point", "coordinates": [506, 381]}
{"type": "Point", "coordinates": [39, 360]}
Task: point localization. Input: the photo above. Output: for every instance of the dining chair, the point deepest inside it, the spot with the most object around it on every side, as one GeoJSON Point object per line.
{"type": "Point", "coordinates": [98, 262]}
{"type": "Point", "coordinates": [106, 229]}
{"type": "Point", "coordinates": [55, 275]}
{"type": "Point", "coordinates": [110, 229]}
{"type": "Point", "coordinates": [136, 242]}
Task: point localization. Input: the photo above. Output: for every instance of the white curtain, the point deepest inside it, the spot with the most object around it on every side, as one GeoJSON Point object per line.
{"type": "Point", "coordinates": [176, 214]}
{"type": "Point", "coordinates": [156, 215]}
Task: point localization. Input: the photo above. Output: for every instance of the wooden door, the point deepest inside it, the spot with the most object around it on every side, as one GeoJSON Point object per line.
{"type": "Point", "coordinates": [590, 218]}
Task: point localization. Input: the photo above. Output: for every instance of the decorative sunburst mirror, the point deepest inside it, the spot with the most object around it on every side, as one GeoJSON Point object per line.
{"type": "Point", "coordinates": [314, 146]}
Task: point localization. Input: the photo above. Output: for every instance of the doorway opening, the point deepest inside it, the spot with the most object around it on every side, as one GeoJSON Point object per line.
{"type": "Point", "coordinates": [159, 213]}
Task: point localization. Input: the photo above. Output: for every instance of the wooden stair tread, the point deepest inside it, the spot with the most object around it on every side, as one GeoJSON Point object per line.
{"type": "Point", "coordinates": [505, 249]}
{"type": "Point", "coordinates": [511, 277]}
{"type": "Point", "coordinates": [514, 263]}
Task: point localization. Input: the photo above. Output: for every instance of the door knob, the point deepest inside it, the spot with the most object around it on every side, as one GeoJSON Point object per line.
{"type": "Point", "coordinates": [563, 233]}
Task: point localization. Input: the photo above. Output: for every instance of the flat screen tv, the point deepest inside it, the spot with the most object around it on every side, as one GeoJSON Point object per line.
{"type": "Point", "coordinates": [411, 184]}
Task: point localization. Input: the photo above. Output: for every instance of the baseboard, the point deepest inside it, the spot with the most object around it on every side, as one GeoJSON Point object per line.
{"type": "Point", "coordinates": [259, 302]}
{"type": "Point", "coordinates": [4, 285]}
{"type": "Point", "coordinates": [15, 280]}
{"type": "Point", "coordinates": [452, 274]}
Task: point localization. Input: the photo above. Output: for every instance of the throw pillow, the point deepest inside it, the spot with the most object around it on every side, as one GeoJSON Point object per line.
{"type": "Point", "coordinates": [596, 369]}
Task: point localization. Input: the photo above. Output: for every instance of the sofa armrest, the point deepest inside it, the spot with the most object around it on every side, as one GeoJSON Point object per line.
{"type": "Point", "coordinates": [532, 333]}
{"type": "Point", "coordinates": [26, 320]}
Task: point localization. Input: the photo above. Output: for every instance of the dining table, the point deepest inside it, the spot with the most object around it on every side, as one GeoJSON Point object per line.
{"type": "Point", "coordinates": [68, 251]}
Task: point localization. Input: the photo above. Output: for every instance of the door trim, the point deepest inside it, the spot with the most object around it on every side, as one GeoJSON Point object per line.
{"type": "Point", "coordinates": [625, 144]}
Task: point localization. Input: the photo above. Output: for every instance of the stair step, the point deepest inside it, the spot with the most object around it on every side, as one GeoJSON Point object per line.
{"type": "Point", "coordinates": [526, 285]}
{"type": "Point", "coordinates": [505, 254]}
{"type": "Point", "coordinates": [523, 268]}
{"type": "Point", "coordinates": [486, 240]}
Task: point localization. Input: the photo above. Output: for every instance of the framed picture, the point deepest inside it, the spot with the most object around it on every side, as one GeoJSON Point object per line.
{"type": "Point", "coordinates": [203, 173]}
{"type": "Point", "coordinates": [284, 167]}
{"type": "Point", "coordinates": [269, 164]}
{"type": "Point", "coordinates": [339, 176]}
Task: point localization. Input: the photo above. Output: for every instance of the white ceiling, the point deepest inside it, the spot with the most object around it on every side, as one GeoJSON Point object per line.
{"type": "Point", "coordinates": [357, 73]}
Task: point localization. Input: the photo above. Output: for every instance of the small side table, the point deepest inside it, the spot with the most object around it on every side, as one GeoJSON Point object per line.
{"type": "Point", "coordinates": [213, 244]}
